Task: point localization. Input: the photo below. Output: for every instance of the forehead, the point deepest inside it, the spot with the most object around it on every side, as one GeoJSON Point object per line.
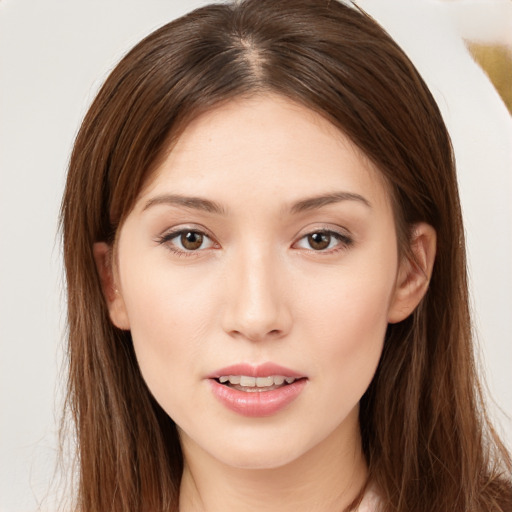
{"type": "Point", "coordinates": [265, 145]}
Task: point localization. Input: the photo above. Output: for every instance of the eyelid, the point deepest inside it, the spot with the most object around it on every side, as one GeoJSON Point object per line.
{"type": "Point", "coordinates": [167, 236]}
{"type": "Point", "coordinates": [342, 235]}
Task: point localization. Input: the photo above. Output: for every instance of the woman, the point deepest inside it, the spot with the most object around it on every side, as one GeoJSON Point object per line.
{"type": "Point", "coordinates": [266, 276]}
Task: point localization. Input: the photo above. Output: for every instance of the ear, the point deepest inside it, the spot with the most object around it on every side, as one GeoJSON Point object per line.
{"type": "Point", "coordinates": [104, 263]}
{"type": "Point", "coordinates": [414, 273]}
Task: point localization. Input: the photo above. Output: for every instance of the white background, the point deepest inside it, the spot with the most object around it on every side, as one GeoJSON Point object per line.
{"type": "Point", "coordinates": [53, 56]}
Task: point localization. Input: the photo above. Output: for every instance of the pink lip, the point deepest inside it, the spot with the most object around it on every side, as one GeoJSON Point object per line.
{"type": "Point", "coordinates": [257, 403]}
{"type": "Point", "coordinates": [261, 370]}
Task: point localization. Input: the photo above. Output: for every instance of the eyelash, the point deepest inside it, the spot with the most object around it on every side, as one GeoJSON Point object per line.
{"type": "Point", "coordinates": [168, 237]}
{"type": "Point", "coordinates": [344, 241]}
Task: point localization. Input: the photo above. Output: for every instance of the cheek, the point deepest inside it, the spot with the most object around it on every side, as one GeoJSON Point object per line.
{"type": "Point", "coordinates": [347, 325]}
{"type": "Point", "coordinates": [352, 323]}
{"type": "Point", "coordinates": [169, 314]}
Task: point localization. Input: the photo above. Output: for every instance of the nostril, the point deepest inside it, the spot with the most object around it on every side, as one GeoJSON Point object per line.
{"type": "Point", "coordinates": [256, 336]}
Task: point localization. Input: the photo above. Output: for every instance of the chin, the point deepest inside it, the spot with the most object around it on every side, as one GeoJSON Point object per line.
{"type": "Point", "coordinates": [269, 448]}
{"type": "Point", "coordinates": [258, 459]}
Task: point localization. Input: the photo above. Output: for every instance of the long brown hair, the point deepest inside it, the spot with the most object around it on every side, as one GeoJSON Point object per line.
{"type": "Point", "coordinates": [425, 434]}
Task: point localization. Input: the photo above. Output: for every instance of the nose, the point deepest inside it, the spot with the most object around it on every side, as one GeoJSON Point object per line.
{"type": "Point", "coordinates": [257, 305]}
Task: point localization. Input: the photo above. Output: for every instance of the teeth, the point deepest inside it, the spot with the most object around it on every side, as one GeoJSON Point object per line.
{"type": "Point", "coordinates": [252, 382]}
{"type": "Point", "coordinates": [246, 381]}
{"type": "Point", "coordinates": [263, 382]}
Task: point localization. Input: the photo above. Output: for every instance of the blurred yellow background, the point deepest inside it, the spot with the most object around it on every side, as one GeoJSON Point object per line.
{"type": "Point", "coordinates": [496, 61]}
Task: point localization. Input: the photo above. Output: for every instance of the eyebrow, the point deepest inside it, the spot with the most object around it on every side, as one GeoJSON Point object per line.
{"type": "Point", "coordinates": [195, 203]}
{"type": "Point", "coordinates": [206, 205]}
{"type": "Point", "coordinates": [313, 203]}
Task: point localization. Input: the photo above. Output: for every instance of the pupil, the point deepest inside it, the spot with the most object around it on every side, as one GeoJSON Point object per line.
{"type": "Point", "coordinates": [191, 240]}
{"type": "Point", "coordinates": [319, 241]}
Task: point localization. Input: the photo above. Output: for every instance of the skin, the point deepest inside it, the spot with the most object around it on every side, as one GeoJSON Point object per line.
{"type": "Point", "coordinates": [256, 290]}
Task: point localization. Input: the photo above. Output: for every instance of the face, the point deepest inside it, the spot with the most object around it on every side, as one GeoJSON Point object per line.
{"type": "Point", "coordinates": [257, 274]}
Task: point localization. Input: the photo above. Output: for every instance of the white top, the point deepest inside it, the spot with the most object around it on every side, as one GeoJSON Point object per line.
{"type": "Point", "coordinates": [370, 503]}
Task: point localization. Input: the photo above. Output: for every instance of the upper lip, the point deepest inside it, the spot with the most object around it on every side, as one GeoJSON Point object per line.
{"type": "Point", "coordinates": [260, 370]}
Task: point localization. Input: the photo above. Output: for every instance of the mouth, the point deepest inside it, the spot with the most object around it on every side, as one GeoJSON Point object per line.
{"type": "Point", "coordinates": [256, 391]}
{"type": "Point", "coordinates": [249, 384]}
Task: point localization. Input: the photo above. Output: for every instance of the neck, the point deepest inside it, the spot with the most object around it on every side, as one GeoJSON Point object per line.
{"type": "Point", "coordinates": [326, 478]}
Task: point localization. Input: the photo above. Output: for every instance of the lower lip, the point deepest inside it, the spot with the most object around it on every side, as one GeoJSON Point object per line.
{"type": "Point", "coordinates": [257, 403]}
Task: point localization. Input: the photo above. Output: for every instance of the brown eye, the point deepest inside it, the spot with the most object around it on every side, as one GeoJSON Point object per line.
{"type": "Point", "coordinates": [319, 241]}
{"type": "Point", "coordinates": [324, 241]}
{"type": "Point", "coordinates": [191, 240]}
{"type": "Point", "coordinates": [187, 242]}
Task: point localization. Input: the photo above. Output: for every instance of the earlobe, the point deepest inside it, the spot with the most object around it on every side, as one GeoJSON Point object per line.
{"type": "Point", "coordinates": [414, 273]}
{"type": "Point", "coordinates": [104, 264]}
